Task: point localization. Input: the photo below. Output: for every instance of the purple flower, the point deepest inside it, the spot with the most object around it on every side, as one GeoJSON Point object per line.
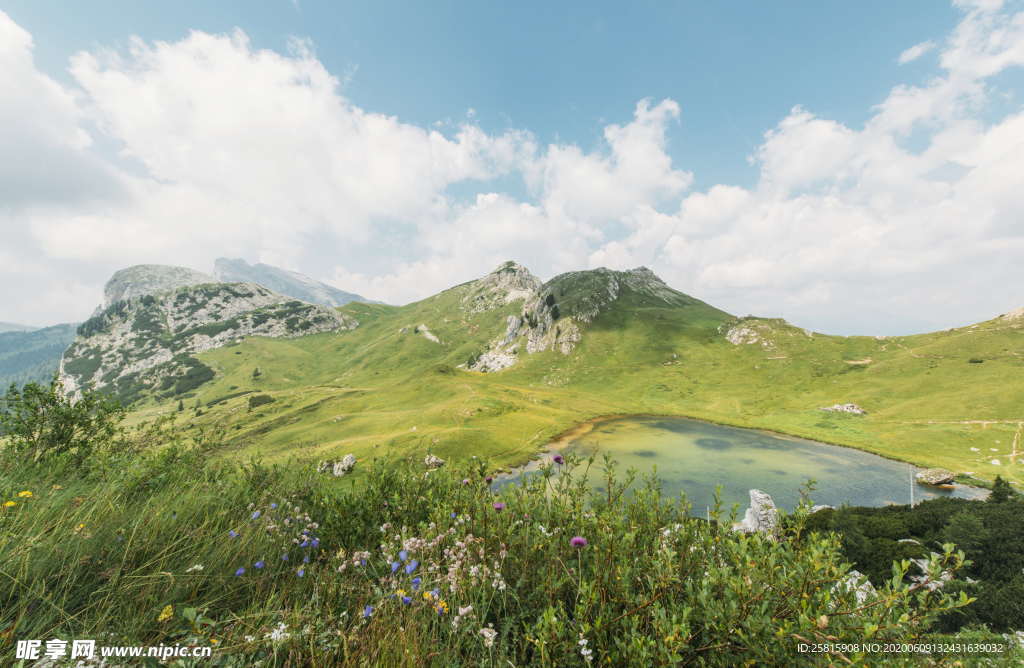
{"type": "Point", "coordinates": [403, 555]}
{"type": "Point", "coordinates": [284, 557]}
{"type": "Point", "coordinates": [416, 583]}
{"type": "Point", "coordinates": [315, 543]}
{"type": "Point", "coordinates": [301, 572]}
{"type": "Point", "coordinates": [578, 541]}
{"type": "Point", "coordinates": [454, 515]}
{"type": "Point", "coordinates": [233, 534]}
{"type": "Point", "coordinates": [304, 543]}
{"type": "Point", "coordinates": [395, 566]}
{"type": "Point", "coordinates": [273, 506]}
{"type": "Point", "coordinates": [259, 564]}
{"type": "Point", "coordinates": [436, 593]}
{"type": "Point", "coordinates": [305, 559]}
{"type": "Point", "coordinates": [558, 459]}
{"type": "Point", "coordinates": [406, 600]}
{"type": "Point", "coordinates": [465, 481]}
{"type": "Point", "coordinates": [411, 567]}
{"type": "Point", "coordinates": [488, 480]}
{"type": "Point", "coordinates": [240, 571]}
{"type": "Point", "coordinates": [367, 611]}
{"type": "Point", "coordinates": [499, 506]}
{"type": "Point", "coordinates": [256, 515]}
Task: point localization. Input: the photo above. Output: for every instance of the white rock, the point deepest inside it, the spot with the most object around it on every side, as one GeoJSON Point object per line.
{"type": "Point", "coordinates": [761, 516]}
{"type": "Point", "coordinates": [433, 461]}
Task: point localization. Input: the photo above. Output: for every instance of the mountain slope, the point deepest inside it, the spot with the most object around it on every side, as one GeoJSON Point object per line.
{"type": "Point", "coordinates": [32, 356]}
{"type": "Point", "coordinates": [282, 281]}
{"type": "Point", "coordinates": [600, 342]}
{"type": "Point", "coordinates": [14, 327]}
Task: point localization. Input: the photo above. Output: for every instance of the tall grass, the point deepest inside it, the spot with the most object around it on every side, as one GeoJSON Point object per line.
{"type": "Point", "coordinates": [399, 565]}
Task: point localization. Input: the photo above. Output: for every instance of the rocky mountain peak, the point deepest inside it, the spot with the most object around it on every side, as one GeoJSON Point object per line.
{"type": "Point", "coordinates": [149, 279]}
{"type": "Point", "coordinates": [283, 281]}
{"type": "Point", "coordinates": [510, 282]}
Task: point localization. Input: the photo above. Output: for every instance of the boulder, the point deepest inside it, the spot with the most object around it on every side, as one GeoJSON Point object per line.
{"type": "Point", "coordinates": [337, 468]}
{"type": "Point", "coordinates": [935, 477]}
{"type": "Point", "coordinates": [815, 509]}
{"type": "Point", "coordinates": [433, 462]}
{"type": "Point", "coordinates": [859, 584]}
{"type": "Point", "coordinates": [762, 515]}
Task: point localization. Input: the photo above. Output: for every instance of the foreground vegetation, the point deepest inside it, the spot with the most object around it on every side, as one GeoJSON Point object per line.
{"type": "Point", "coordinates": [148, 540]}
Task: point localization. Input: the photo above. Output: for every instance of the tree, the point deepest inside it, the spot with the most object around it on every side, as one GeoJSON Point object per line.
{"type": "Point", "coordinates": [40, 422]}
{"type": "Point", "coordinates": [256, 373]}
{"type": "Point", "coordinates": [181, 405]}
{"type": "Point", "coordinates": [1001, 491]}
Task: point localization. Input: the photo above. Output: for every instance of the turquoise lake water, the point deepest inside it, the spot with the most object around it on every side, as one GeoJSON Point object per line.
{"type": "Point", "coordinates": [693, 457]}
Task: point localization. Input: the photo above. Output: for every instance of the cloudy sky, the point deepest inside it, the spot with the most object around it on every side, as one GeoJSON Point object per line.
{"type": "Point", "coordinates": [852, 167]}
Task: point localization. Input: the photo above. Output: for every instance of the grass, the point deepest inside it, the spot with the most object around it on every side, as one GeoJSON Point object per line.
{"type": "Point", "coordinates": [167, 546]}
{"type": "Point", "coordinates": [382, 388]}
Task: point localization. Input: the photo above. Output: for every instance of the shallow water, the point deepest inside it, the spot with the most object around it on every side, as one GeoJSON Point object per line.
{"type": "Point", "coordinates": [693, 457]}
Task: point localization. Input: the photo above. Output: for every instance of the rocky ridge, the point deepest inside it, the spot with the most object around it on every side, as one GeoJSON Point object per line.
{"type": "Point", "coordinates": [283, 281]}
{"type": "Point", "coordinates": [158, 332]}
{"type": "Point", "coordinates": [555, 314]}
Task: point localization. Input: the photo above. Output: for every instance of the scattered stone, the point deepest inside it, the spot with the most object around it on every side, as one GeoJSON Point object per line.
{"type": "Point", "coordinates": [761, 516]}
{"type": "Point", "coordinates": [845, 408]}
{"type": "Point", "coordinates": [815, 509]}
{"type": "Point", "coordinates": [337, 468]}
{"type": "Point", "coordinates": [433, 462]}
{"type": "Point", "coordinates": [859, 584]}
{"type": "Point", "coordinates": [995, 462]}
{"type": "Point", "coordinates": [935, 477]}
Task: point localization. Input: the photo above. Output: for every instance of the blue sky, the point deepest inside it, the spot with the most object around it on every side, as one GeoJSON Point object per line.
{"type": "Point", "coordinates": [848, 166]}
{"type": "Point", "coordinates": [563, 70]}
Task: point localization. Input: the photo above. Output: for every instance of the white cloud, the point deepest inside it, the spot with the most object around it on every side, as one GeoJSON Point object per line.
{"type": "Point", "coordinates": [225, 149]}
{"type": "Point", "coordinates": [915, 52]}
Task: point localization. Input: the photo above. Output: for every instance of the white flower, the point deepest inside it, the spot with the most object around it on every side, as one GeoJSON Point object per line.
{"type": "Point", "coordinates": [279, 633]}
{"type": "Point", "coordinates": [196, 567]}
{"type": "Point", "coordinates": [489, 634]}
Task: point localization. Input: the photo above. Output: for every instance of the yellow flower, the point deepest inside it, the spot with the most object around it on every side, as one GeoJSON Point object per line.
{"type": "Point", "coordinates": [26, 494]}
{"type": "Point", "coordinates": [56, 487]}
{"type": "Point", "coordinates": [426, 596]}
{"type": "Point", "coordinates": [10, 504]}
{"type": "Point", "coordinates": [79, 528]}
{"type": "Point", "coordinates": [165, 614]}
{"type": "Point", "coordinates": [400, 592]}
{"type": "Point", "coordinates": [214, 641]}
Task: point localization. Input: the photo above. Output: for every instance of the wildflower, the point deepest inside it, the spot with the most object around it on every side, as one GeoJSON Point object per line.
{"type": "Point", "coordinates": [256, 515]}
{"type": "Point", "coordinates": [426, 596]}
{"type": "Point", "coordinates": [395, 566]}
{"type": "Point", "coordinates": [411, 567]}
{"type": "Point", "coordinates": [403, 555]}
{"type": "Point", "coordinates": [367, 611]}
{"type": "Point", "coordinates": [233, 534]}
{"type": "Point", "coordinates": [304, 543]}
{"type": "Point", "coordinates": [273, 506]}
{"type": "Point", "coordinates": [441, 607]}
{"type": "Point", "coordinates": [10, 504]}
{"type": "Point", "coordinates": [305, 559]}
{"type": "Point", "coordinates": [499, 506]}
{"type": "Point", "coordinates": [279, 633]}
{"type": "Point", "coordinates": [416, 583]}
{"type": "Point", "coordinates": [489, 634]}
{"type": "Point", "coordinates": [56, 487]}
{"type": "Point", "coordinates": [284, 557]}
{"type": "Point", "coordinates": [193, 568]}
{"type": "Point", "coordinates": [240, 571]}
{"type": "Point", "coordinates": [301, 572]}
{"type": "Point", "coordinates": [454, 515]}
{"type": "Point", "coordinates": [406, 600]}
{"type": "Point", "coordinates": [558, 459]}
{"type": "Point", "coordinates": [315, 543]}
{"type": "Point", "coordinates": [259, 564]}
{"type": "Point", "coordinates": [465, 481]}
{"type": "Point", "coordinates": [488, 480]}
{"type": "Point", "coordinates": [25, 495]}
{"type": "Point", "coordinates": [165, 614]}
{"type": "Point", "coordinates": [578, 541]}
{"type": "Point", "coordinates": [79, 527]}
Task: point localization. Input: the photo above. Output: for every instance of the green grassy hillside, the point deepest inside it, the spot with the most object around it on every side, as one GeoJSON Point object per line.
{"type": "Point", "coordinates": [951, 399]}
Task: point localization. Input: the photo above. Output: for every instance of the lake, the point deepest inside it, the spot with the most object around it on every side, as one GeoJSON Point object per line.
{"type": "Point", "coordinates": [693, 457]}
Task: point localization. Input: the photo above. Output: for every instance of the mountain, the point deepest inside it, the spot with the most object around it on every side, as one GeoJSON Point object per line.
{"type": "Point", "coordinates": [284, 282]}
{"type": "Point", "coordinates": [155, 318]}
{"type": "Point", "coordinates": [498, 366]}
{"type": "Point", "coordinates": [13, 327]}
{"type": "Point", "coordinates": [33, 355]}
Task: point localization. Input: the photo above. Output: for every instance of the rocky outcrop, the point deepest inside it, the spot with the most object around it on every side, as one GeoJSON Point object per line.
{"type": "Point", "coordinates": [433, 461]}
{"type": "Point", "coordinates": [853, 409]}
{"type": "Point", "coordinates": [284, 282]}
{"type": "Point", "coordinates": [935, 477]}
{"type": "Point", "coordinates": [149, 279]}
{"type": "Point", "coordinates": [923, 578]}
{"type": "Point", "coordinates": [337, 468]}
{"type": "Point", "coordinates": [508, 283]}
{"type": "Point", "coordinates": [425, 332]}
{"type": "Point", "coordinates": [762, 516]}
{"type": "Point", "coordinates": [555, 314]}
{"type": "Point", "coordinates": [146, 342]}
